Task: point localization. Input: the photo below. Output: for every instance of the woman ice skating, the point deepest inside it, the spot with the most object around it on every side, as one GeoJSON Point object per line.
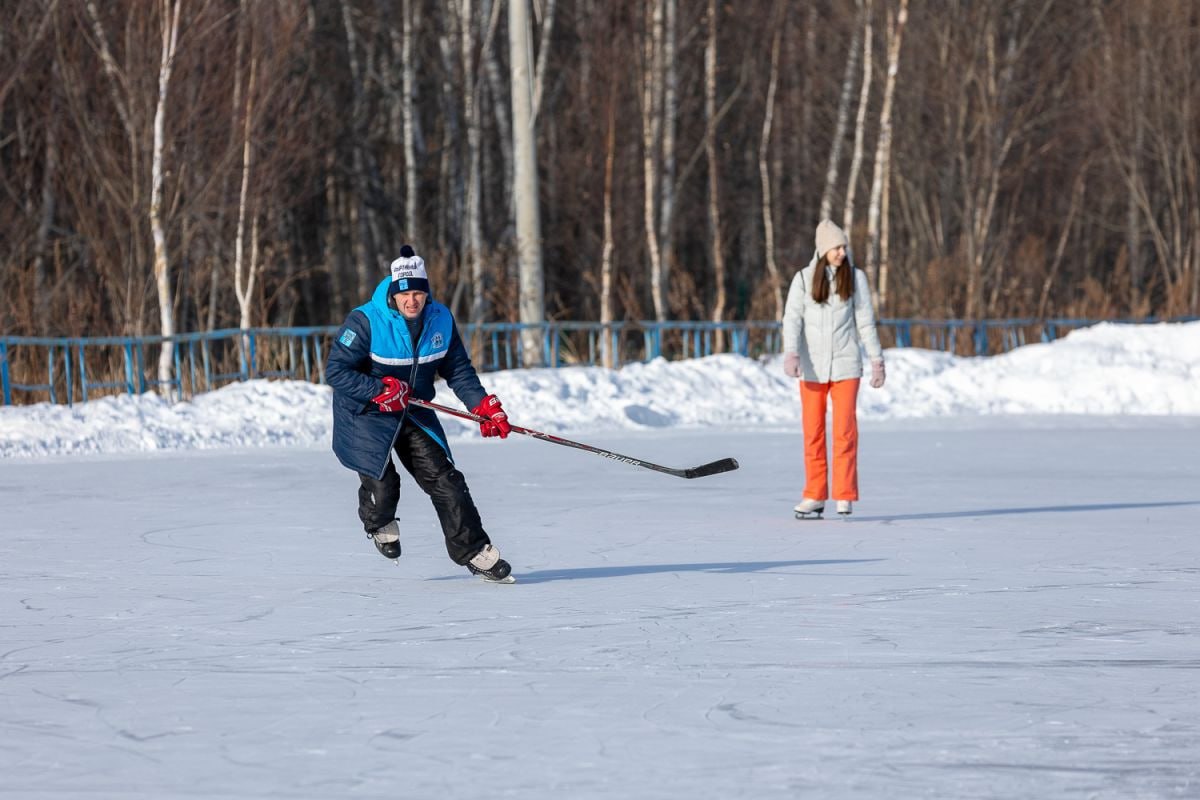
{"type": "Point", "coordinates": [827, 322]}
{"type": "Point", "coordinates": [392, 346]}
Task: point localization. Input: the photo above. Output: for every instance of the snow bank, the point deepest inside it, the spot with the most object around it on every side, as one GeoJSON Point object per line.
{"type": "Point", "coordinates": [1107, 369]}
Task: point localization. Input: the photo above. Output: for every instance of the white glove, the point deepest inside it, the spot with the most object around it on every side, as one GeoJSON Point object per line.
{"type": "Point", "coordinates": [878, 373]}
{"type": "Point", "coordinates": [791, 365]}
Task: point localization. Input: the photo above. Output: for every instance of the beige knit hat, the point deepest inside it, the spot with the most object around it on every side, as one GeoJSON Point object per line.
{"type": "Point", "coordinates": [830, 236]}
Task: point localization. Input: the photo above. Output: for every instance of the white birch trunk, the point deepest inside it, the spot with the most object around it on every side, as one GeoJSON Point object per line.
{"type": "Point", "coordinates": [764, 145]}
{"type": "Point", "coordinates": [473, 234]}
{"type": "Point", "coordinates": [843, 118]}
{"type": "Point", "coordinates": [162, 264]}
{"type": "Point", "coordinates": [116, 80]}
{"type": "Point", "coordinates": [408, 116]}
{"type": "Point", "coordinates": [812, 63]}
{"type": "Point", "coordinates": [499, 90]}
{"type": "Point", "coordinates": [883, 152]}
{"type": "Point", "coordinates": [860, 122]}
{"type": "Point", "coordinates": [525, 186]}
{"type": "Point", "coordinates": [235, 127]}
{"type": "Point", "coordinates": [606, 254]}
{"type": "Point", "coordinates": [243, 277]}
{"type": "Point", "coordinates": [670, 114]}
{"type": "Point", "coordinates": [544, 39]}
{"type": "Point", "coordinates": [716, 238]}
{"type": "Point", "coordinates": [651, 144]}
{"type": "Point", "coordinates": [120, 91]}
{"type": "Point", "coordinates": [359, 222]}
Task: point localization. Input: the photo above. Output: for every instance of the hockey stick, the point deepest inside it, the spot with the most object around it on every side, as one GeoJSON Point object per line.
{"type": "Point", "coordinates": [704, 470]}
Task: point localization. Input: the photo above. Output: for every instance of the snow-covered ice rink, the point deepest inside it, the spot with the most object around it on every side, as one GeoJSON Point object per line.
{"type": "Point", "coordinates": [1012, 612]}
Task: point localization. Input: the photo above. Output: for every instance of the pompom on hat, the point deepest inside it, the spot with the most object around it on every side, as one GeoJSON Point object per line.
{"type": "Point", "coordinates": [408, 273]}
{"type": "Point", "coordinates": [829, 237]}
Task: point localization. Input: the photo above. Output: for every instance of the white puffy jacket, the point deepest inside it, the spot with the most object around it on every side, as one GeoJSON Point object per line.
{"type": "Point", "coordinates": [828, 336]}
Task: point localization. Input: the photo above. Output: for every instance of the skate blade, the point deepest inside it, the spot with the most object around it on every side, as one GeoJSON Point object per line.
{"type": "Point", "coordinates": [506, 579]}
{"type": "Point", "coordinates": [810, 515]}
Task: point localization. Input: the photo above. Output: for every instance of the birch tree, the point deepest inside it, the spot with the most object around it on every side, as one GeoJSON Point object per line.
{"type": "Point", "coordinates": [525, 186]}
{"type": "Point", "coordinates": [543, 55]}
{"type": "Point", "coordinates": [651, 149]}
{"type": "Point", "coordinates": [843, 116]}
{"type": "Point", "coordinates": [764, 144]}
{"type": "Point", "coordinates": [119, 87]}
{"type": "Point", "coordinates": [408, 116]}
{"type": "Point", "coordinates": [860, 122]}
{"type": "Point", "coordinates": [169, 10]}
{"type": "Point", "coordinates": [715, 236]}
{"type": "Point", "coordinates": [877, 242]}
{"type": "Point", "coordinates": [501, 106]}
{"type": "Point", "coordinates": [607, 268]}
{"type": "Point", "coordinates": [670, 113]}
{"type": "Point", "coordinates": [366, 236]}
{"type": "Point", "coordinates": [244, 276]}
{"type": "Point", "coordinates": [473, 233]}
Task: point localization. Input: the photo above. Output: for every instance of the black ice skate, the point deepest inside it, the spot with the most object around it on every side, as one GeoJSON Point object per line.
{"type": "Point", "coordinates": [488, 565]}
{"type": "Point", "coordinates": [387, 540]}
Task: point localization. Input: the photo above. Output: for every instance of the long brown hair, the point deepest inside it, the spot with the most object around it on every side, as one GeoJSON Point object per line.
{"type": "Point", "coordinates": [844, 276]}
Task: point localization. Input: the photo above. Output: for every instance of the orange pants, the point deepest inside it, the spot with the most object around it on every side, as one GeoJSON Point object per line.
{"type": "Point", "coordinates": [845, 439]}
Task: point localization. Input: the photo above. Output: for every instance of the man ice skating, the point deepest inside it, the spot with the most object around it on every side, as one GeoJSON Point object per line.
{"type": "Point", "coordinates": [389, 348]}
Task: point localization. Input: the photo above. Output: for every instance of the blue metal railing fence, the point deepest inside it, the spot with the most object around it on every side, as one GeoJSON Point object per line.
{"type": "Point", "coordinates": [69, 370]}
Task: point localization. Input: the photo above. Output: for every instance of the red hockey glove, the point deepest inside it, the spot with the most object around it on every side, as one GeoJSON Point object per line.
{"type": "Point", "coordinates": [497, 420]}
{"type": "Point", "coordinates": [394, 396]}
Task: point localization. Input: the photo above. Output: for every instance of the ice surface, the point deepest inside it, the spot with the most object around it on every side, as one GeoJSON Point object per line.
{"type": "Point", "coordinates": [1013, 611]}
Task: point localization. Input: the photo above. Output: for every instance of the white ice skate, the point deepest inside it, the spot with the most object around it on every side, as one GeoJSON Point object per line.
{"type": "Point", "coordinates": [845, 508]}
{"type": "Point", "coordinates": [810, 509]}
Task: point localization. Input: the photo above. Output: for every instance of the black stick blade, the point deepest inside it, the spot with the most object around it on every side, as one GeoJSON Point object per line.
{"type": "Point", "coordinates": [715, 468]}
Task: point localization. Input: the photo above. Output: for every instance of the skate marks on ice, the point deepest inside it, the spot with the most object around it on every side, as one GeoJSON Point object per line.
{"type": "Point", "coordinates": [724, 654]}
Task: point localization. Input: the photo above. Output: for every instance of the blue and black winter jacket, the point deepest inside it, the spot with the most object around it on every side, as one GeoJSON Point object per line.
{"type": "Point", "coordinates": [374, 342]}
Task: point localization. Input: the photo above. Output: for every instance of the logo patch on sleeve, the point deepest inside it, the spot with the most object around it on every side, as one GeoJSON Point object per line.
{"type": "Point", "coordinates": [347, 337]}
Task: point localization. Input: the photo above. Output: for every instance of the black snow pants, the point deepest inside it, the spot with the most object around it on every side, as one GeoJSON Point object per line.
{"type": "Point", "coordinates": [431, 468]}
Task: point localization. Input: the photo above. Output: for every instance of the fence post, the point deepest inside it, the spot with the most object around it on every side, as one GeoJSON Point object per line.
{"type": "Point", "coordinates": [141, 367]}
{"type": "Point", "coordinates": [981, 343]}
{"type": "Point", "coordinates": [50, 373]}
{"type": "Point", "coordinates": [252, 355]}
{"type": "Point", "coordinates": [128, 351]}
{"type": "Point", "coordinates": [243, 345]}
{"type": "Point", "coordinates": [82, 373]}
{"type": "Point", "coordinates": [192, 366]}
{"type": "Point", "coordinates": [319, 359]}
{"type": "Point", "coordinates": [67, 373]}
{"type": "Point", "coordinates": [178, 372]}
{"type": "Point", "coordinates": [4, 374]}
